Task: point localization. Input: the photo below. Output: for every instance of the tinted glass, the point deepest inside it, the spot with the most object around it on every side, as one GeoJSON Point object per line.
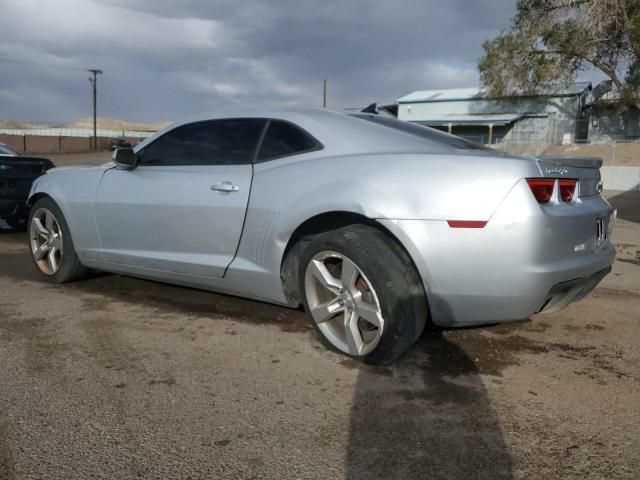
{"type": "Point", "coordinates": [4, 150]}
{"type": "Point", "coordinates": [214, 142]}
{"type": "Point", "coordinates": [283, 139]}
{"type": "Point", "coordinates": [430, 134]}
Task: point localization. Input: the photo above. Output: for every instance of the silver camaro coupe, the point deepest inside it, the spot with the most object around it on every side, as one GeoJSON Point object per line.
{"type": "Point", "coordinates": [375, 226]}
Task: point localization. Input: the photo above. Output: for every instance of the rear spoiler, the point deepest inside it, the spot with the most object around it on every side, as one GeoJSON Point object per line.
{"type": "Point", "coordinates": [577, 162]}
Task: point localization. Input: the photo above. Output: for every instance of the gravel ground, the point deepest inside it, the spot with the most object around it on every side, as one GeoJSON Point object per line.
{"type": "Point", "coordinates": [119, 378]}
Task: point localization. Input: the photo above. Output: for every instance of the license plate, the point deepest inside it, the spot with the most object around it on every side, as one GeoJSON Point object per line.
{"type": "Point", "coordinates": [602, 233]}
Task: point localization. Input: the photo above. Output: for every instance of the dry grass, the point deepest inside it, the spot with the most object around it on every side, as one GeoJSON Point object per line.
{"type": "Point", "coordinates": [115, 124]}
{"type": "Point", "coordinates": [102, 122]}
{"type": "Point", "coordinates": [20, 125]}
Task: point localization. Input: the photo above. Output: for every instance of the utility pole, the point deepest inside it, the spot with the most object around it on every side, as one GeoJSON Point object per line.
{"type": "Point", "coordinates": [324, 94]}
{"type": "Point", "coordinates": [94, 80]}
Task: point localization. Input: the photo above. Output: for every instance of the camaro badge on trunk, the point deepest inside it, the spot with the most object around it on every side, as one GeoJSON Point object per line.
{"type": "Point", "coordinates": [556, 171]}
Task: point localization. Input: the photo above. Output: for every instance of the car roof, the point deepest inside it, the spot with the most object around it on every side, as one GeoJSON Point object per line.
{"type": "Point", "coordinates": [339, 133]}
{"type": "Point", "coordinates": [267, 112]}
{"type": "Point", "coordinates": [291, 114]}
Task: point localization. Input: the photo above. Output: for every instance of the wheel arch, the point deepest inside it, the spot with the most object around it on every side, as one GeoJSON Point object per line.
{"type": "Point", "coordinates": [37, 196]}
{"type": "Point", "coordinates": [321, 223]}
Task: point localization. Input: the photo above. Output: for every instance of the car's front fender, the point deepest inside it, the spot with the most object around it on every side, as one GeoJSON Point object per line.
{"type": "Point", "coordinates": [74, 189]}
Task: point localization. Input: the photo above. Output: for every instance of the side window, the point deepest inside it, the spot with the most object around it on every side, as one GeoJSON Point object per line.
{"type": "Point", "coordinates": [283, 139]}
{"type": "Point", "coordinates": [212, 142]}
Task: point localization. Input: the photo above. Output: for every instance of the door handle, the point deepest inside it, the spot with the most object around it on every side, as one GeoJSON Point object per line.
{"type": "Point", "coordinates": [225, 187]}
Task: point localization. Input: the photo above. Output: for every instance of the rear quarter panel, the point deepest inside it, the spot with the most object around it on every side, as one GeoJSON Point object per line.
{"type": "Point", "coordinates": [398, 186]}
{"type": "Point", "coordinates": [287, 192]}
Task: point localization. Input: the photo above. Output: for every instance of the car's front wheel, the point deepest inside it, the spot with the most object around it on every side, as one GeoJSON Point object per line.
{"type": "Point", "coordinates": [363, 293]}
{"type": "Point", "coordinates": [51, 245]}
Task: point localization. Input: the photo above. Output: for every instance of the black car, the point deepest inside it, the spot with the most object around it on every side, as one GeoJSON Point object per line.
{"type": "Point", "coordinates": [17, 173]}
{"type": "Point", "coordinates": [119, 143]}
{"type": "Point", "coordinates": [6, 150]}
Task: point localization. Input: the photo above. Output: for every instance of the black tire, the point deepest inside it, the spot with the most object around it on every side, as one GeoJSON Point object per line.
{"type": "Point", "coordinates": [16, 223]}
{"type": "Point", "coordinates": [70, 267]}
{"type": "Point", "coordinates": [394, 278]}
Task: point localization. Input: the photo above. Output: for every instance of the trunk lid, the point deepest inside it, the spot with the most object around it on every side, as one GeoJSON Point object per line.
{"type": "Point", "coordinates": [584, 169]}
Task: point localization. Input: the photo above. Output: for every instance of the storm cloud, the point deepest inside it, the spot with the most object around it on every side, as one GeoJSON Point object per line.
{"type": "Point", "coordinates": [166, 59]}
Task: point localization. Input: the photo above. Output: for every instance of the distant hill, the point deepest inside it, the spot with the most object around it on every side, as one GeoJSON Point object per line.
{"type": "Point", "coordinates": [115, 124]}
{"type": "Point", "coordinates": [20, 125]}
{"type": "Point", "coordinates": [102, 122]}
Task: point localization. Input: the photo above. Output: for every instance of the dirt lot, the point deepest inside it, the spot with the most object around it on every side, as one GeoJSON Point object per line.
{"type": "Point", "coordinates": [119, 378]}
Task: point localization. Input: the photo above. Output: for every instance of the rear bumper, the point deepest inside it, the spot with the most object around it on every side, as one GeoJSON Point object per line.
{"type": "Point", "coordinates": [564, 293]}
{"type": "Point", "coordinates": [527, 259]}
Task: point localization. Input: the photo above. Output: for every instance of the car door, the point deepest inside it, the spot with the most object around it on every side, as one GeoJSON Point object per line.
{"type": "Point", "coordinates": [182, 208]}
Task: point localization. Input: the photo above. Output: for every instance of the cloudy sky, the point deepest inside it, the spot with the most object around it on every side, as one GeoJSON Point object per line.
{"type": "Point", "coordinates": [163, 59]}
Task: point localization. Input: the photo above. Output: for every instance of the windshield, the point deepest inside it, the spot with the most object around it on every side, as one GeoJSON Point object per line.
{"type": "Point", "coordinates": [427, 133]}
{"type": "Point", "coordinates": [4, 150]}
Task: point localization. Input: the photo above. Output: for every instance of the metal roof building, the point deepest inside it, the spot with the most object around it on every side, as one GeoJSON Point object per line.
{"type": "Point", "coordinates": [550, 118]}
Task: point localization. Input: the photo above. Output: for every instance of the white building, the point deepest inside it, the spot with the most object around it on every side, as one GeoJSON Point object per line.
{"type": "Point", "coordinates": [555, 117]}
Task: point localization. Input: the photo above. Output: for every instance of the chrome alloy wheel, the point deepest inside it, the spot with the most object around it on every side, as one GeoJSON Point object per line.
{"type": "Point", "coordinates": [343, 303]}
{"type": "Point", "coordinates": [46, 241]}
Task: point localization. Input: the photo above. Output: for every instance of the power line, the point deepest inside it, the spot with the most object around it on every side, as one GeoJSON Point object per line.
{"type": "Point", "coordinates": [94, 86]}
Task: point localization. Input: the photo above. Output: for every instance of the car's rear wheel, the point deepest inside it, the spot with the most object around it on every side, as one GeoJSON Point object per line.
{"type": "Point", "coordinates": [51, 245]}
{"type": "Point", "coordinates": [362, 293]}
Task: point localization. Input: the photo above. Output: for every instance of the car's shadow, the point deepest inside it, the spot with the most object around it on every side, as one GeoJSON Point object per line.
{"type": "Point", "coordinates": [426, 416]}
{"type": "Point", "coordinates": [168, 298]}
{"type": "Point", "coordinates": [627, 204]}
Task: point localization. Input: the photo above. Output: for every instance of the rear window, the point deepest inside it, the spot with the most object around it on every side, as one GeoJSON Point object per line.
{"type": "Point", "coordinates": [283, 139]}
{"type": "Point", "coordinates": [426, 133]}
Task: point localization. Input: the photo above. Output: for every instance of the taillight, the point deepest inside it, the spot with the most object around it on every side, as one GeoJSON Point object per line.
{"type": "Point", "coordinates": [466, 223]}
{"type": "Point", "coordinates": [542, 188]}
{"type": "Point", "coordinates": [567, 189]}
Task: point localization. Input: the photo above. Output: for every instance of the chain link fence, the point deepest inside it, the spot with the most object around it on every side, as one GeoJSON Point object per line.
{"type": "Point", "coordinates": [549, 136]}
{"type": "Point", "coordinates": [75, 132]}
{"type": "Point", "coordinates": [65, 140]}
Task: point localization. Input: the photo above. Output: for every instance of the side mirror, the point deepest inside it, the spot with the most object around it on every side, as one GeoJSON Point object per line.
{"type": "Point", "coordinates": [125, 158]}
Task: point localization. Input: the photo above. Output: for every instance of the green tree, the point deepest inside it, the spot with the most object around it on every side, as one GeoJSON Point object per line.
{"type": "Point", "coordinates": [550, 41]}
